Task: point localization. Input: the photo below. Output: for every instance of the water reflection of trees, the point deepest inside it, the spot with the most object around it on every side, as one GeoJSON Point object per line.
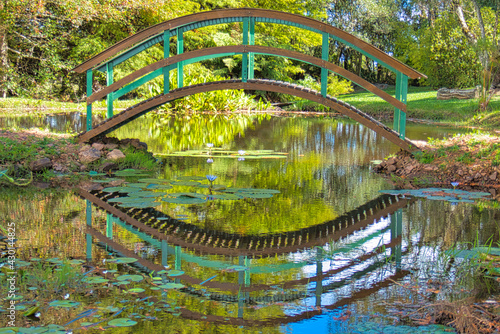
{"type": "Point", "coordinates": [448, 224]}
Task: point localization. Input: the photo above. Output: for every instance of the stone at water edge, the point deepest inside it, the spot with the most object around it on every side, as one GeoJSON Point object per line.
{"type": "Point", "coordinates": [40, 164]}
{"type": "Point", "coordinates": [115, 155]}
{"type": "Point", "coordinates": [89, 155]}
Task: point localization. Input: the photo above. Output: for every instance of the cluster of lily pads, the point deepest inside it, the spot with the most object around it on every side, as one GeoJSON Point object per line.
{"type": "Point", "coordinates": [150, 192]}
{"type": "Point", "coordinates": [97, 315]}
{"type": "Point", "coordinates": [440, 194]}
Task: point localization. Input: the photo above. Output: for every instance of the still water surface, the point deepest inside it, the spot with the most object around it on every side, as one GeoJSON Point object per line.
{"type": "Point", "coordinates": [322, 251]}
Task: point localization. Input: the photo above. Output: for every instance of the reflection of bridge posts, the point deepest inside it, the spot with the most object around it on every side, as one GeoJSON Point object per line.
{"type": "Point", "coordinates": [109, 226]}
{"type": "Point", "coordinates": [164, 253]}
{"type": "Point", "coordinates": [396, 231]}
{"type": "Point", "coordinates": [89, 224]}
{"type": "Point", "coordinates": [319, 275]}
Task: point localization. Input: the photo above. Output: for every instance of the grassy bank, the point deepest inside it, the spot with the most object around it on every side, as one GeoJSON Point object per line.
{"type": "Point", "coordinates": [422, 104]}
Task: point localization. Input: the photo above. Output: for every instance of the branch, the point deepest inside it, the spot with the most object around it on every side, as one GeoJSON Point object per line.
{"type": "Point", "coordinates": [463, 24]}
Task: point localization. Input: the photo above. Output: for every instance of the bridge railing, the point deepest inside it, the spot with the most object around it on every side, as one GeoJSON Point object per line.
{"type": "Point", "coordinates": [107, 60]}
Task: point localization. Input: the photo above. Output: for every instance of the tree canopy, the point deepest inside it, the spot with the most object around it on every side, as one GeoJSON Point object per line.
{"type": "Point", "coordinates": [454, 42]}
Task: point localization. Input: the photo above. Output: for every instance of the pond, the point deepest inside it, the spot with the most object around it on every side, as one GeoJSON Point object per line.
{"type": "Point", "coordinates": [252, 223]}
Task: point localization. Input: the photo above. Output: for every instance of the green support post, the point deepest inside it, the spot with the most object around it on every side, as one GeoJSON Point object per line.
{"type": "Point", "coordinates": [319, 275]}
{"type": "Point", "coordinates": [88, 213]}
{"type": "Point", "coordinates": [180, 65]}
{"type": "Point", "coordinates": [325, 48]}
{"type": "Point", "coordinates": [178, 258]}
{"type": "Point", "coordinates": [396, 231]}
{"type": "Point", "coordinates": [90, 81]}
{"type": "Point", "coordinates": [109, 226]}
{"type": "Point", "coordinates": [166, 54]}
{"type": "Point", "coordinates": [164, 253]}
{"type": "Point", "coordinates": [244, 62]}
{"type": "Point", "coordinates": [401, 95]}
{"type": "Point", "coordinates": [109, 82]}
{"type": "Point", "coordinates": [251, 55]}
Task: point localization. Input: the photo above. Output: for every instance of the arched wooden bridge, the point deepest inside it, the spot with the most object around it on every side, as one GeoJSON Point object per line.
{"type": "Point", "coordinates": [161, 33]}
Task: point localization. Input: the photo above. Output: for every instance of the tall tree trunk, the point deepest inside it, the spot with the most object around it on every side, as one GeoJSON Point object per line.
{"type": "Point", "coordinates": [4, 61]}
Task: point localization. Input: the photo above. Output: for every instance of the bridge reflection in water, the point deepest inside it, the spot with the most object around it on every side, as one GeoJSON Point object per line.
{"type": "Point", "coordinates": [299, 272]}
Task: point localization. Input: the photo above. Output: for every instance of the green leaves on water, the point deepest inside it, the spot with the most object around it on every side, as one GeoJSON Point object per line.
{"type": "Point", "coordinates": [131, 278]}
{"type": "Point", "coordinates": [441, 194]}
{"type": "Point", "coordinates": [95, 280]}
{"type": "Point", "coordinates": [120, 189]}
{"type": "Point", "coordinates": [185, 198]}
{"type": "Point", "coordinates": [142, 194]}
{"type": "Point", "coordinates": [123, 260]}
{"type": "Point", "coordinates": [63, 303]}
{"type": "Point", "coordinates": [174, 273]}
{"type": "Point", "coordinates": [122, 322]}
{"type": "Point", "coordinates": [171, 286]}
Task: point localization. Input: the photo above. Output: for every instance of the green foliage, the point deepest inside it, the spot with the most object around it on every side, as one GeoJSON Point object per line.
{"type": "Point", "coordinates": [465, 158]}
{"type": "Point", "coordinates": [137, 159]}
{"type": "Point", "coordinates": [442, 52]}
{"type": "Point", "coordinates": [224, 100]}
{"type": "Point", "coordinates": [336, 86]}
{"type": "Point", "coordinates": [425, 157]}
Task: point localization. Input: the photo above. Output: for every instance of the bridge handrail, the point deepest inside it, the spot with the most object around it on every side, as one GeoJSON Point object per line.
{"type": "Point", "coordinates": [239, 49]}
{"type": "Point", "coordinates": [287, 18]}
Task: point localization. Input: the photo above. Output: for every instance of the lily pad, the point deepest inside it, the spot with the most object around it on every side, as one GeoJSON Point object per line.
{"type": "Point", "coordinates": [136, 290]}
{"type": "Point", "coordinates": [63, 303]}
{"type": "Point", "coordinates": [123, 260]}
{"type": "Point", "coordinates": [184, 200]}
{"type": "Point", "coordinates": [185, 183]}
{"type": "Point", "coordinates": [143, 205]}
{"type": "Point", "coordinates": [174, 272]}
{"type": "Point", "coordinates": [32, 330]}
{"type": "Point", "coordinates": [171, 286]}
{"type": "Point", "coordinates": [224, 197]}
{"type": "Point", "coordinates": [192, 195]}
{"type": "Point", "coordinates": [95, 280]}
{"type": "Point", "coordinates": [122, 322]}
{"type": "Point", "coordinates": [159, 186]}
{"type": "Point", "coordinates": [154, 181]}
{"type": "Point", "coordinates": [133, 278]}
{"type": "Point", "coordinates": [147, 194]}
{"type": "Point", "coordinates": [120, 189]}
{"type": "Point", "coordinates": [255, 195]}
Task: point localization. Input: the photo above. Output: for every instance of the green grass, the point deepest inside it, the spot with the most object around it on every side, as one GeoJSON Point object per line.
{"type": "Point", "coordinates": [422, 104]}
{"type": "Point", "coordinates": [14, 105]}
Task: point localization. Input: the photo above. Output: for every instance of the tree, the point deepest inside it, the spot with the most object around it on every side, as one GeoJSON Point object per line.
{"type": "Point", "coordinates": [486, 45]}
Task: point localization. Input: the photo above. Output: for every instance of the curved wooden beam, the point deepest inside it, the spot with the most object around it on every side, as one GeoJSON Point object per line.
{"type": "Point", "coordinates": [238, 49]}
{"type": "Point", "coordinates": [248, 12]}
{"type": "Point", "coordinates": [266, 85]}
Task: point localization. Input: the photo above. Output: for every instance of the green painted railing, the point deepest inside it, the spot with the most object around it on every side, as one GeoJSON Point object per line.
{"type": "Point", "coordinates": [162, 33]}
